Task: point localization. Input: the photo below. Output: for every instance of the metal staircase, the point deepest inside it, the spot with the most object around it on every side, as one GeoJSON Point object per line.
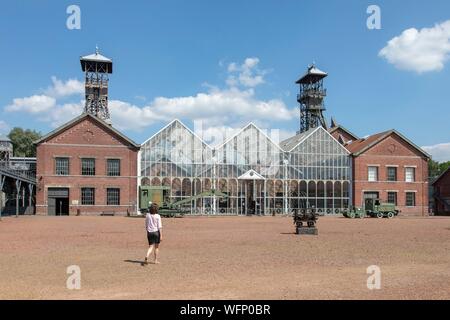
{"type": "Point", "coordinates": [444, 201]}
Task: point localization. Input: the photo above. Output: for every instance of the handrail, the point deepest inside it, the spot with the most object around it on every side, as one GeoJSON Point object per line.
{"type": "Point", "coordinates": [25, 175]}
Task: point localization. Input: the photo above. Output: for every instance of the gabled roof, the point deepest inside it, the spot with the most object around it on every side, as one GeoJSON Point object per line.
{"type": "Point", "coordinates": [441, 175]}
{"type": "Point", "coordinates": [251, 175]}
{"type": "Point", "coordinates": [79, 119]}
{"type": "Point", "coordinates": [312, 75]}
{"type": "Point", "coordinates": [177, 121]}
{"type": "Point", "coordinates": [290, 143]}
{"type": "Point", "coordinates": [360, 146]}
{"type": "Point", "coordinates": [337, 127]}
{"type": "Point", "coordinates": [251, 124]}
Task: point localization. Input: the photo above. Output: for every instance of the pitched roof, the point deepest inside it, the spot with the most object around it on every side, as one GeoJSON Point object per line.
{"type": "Point", "coordinates": [360, 146]}
{"type": "Point", "coordinates": [290, 143]}
{"type": "Point", "coordinates": [337, 127]}
{"type": "Point", "coordinates": [79, 119]}
{"type": "Point", "coordinates": [441, 175]}
{"type": "Point", "coordinates": [312, 75]}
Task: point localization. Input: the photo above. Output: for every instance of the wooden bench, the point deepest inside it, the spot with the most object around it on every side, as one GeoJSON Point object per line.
{"type": "Point", "coordinates": [107, 213]}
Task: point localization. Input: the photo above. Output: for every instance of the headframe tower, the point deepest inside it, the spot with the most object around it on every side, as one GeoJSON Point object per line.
{"type": "Point", "coordinates": [97, 68]}
{"type": "Point", "coordinates": [311, 96]}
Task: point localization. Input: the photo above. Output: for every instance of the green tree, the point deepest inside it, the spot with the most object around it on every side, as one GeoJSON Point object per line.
{"type": "Point", "coordinates": [23, 140]}
{"type": "Point", "coordinates": [435, 168]}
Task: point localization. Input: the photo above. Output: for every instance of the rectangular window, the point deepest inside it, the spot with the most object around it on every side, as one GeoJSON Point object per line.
{"type": "Point", "coordinates": [88, 167]}
{"type": "Point", "coordinates": [62, 166]}
{"type": "Point", "coordinates": [410, 174]}
{"type": "Point", "coordinates": [392, 197]}
{"type": "Point", "coordinates": [87, 196]}
{"type": "Point", "coordinates": [113, 196]}
{"type": "Point", "coordinates": [410, 199]}
{"type": "Point", "coordinates": [373, 174]}
{"type": "Point", "coordinates": [391, 174]}
{"type": "Point", "coordinates": [113, 167]}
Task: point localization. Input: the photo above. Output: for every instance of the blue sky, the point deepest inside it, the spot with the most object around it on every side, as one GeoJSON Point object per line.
{"type": "Point", "coordinates": [230, 62]}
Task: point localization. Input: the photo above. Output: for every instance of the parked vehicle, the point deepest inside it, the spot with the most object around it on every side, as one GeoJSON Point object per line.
{"type": "Point", "coordinates": [375, 208]}
{"type": "Point", "coordinates": [355, 212]}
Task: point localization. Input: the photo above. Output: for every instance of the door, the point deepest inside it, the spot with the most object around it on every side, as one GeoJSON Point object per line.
{"type": "Point", "coordinates": [51, 206]}
{"type": "Point", "coordinates": [62, 206]}
{"type": "Point", "coordinates": [369, 198]}
{"type": "Point", "coordinates": [58, 201]}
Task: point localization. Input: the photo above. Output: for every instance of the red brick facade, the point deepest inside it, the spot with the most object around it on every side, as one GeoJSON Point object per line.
{"type": "Point", "coordinates": [442, 194]}
{"type": "Point", "coordinates": [87, 137]}
{"type": "Point", "coordinates": [386, 150]}
{"type": "Point", "coordinates": [342, 135]}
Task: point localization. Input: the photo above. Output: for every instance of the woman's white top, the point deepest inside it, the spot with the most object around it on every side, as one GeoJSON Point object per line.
{"type": "Point", "coordinates": [153, 222]}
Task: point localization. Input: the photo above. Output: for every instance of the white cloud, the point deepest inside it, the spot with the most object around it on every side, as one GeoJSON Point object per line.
{"type": "Point", "coordinates": [60, 89]}
{"type": "Point", "coordinates": [4, 127]}
{"type": "Point", "coordinates": [421, 51]}
{"type": "Point", "coordinates": [217, 107]}
{"type": "Point", "coordinates": [439, 152]}
{"type": "Point", "coordinates": [246, 74]}
{"type": "Point", "coordinates": [35, 104]}
{"type": "Point", "coordinates": [61, 114]}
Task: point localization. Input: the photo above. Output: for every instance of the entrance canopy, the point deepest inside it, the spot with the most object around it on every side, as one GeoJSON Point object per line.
{"type": "Point", "coordinates": [251, 175]}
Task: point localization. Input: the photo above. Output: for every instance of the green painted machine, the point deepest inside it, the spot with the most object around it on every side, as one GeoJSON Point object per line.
{"type": "Point", "coordinates": [355, 212]}
{"type": "Point", "coordinates": [161, 197]}
{"type": "Point", "coordinates": [373, 208]}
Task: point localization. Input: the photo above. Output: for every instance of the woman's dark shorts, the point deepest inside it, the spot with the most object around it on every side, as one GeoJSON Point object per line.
{"type": "Point", "coordinates": [153, 237]}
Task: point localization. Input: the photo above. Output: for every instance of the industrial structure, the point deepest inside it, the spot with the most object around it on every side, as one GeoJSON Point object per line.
{"type": "Point", "coordinates": [441, 193]}
{"type": "Point", "coordinates": [260, 176]}
{"type": "Point", "coordinates": [86, 166]}
{"type": "Point", "coordinates": [311, 96]}
{"type": "Point", "coordinates": [96, 69]}
{"type": "Point", "coordinates": [17, 181]}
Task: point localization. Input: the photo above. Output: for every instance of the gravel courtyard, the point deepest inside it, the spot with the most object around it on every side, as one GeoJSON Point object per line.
{"type": "Point", "coordinates": [225, 258]}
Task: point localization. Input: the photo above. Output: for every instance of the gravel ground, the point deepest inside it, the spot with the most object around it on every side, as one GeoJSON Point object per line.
{"type": "Point", "coordinates": [225, 258]}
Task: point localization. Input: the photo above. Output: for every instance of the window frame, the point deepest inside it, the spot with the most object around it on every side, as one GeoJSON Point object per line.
{"type": "Point", "coordinates": [83, 172]}
{"type": "Point", "coordinates": [108, 197]}
{"type": "Point", "coordinates": [395, 199]}
{"type": "Point", "coordinates": [388, 177]}
{"type": "Point", "coordinates": [83, 200]}
{"type": "Point", "coordinates": [376, 173]}
{"type": "Point", "coordinates": [413, 199]}
{"type": "Point", "coordinates": [413, 174]}
{"type": "Point", "coordinates": [56, 166]}
{"type": "Point", "coordinates": [110, 173]}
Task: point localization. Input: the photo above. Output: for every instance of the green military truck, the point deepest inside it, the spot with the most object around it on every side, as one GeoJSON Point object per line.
{"type": "Point", "coordinates": [375, 208]}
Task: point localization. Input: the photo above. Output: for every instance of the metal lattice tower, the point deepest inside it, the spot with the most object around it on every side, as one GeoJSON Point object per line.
{"type": "Point", "coordinates": [6, 149]}
{"type": "Point", "coordinates": [312, 94]}
{"type": "Point", "coordinates": [97, 68]}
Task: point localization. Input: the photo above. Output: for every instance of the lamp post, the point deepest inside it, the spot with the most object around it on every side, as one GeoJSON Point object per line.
{"type": "Point", "coordinates": [286, 163]}
{"type": "Point", "coordinates": [214, 204]}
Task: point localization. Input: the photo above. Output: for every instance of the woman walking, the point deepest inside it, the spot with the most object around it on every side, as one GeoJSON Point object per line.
{"type": "Point", "coordinates": [153, 226]}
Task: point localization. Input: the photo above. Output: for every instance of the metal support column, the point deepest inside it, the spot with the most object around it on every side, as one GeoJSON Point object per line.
{"type": "Point", "coordinates": [2, 183]}
{"type": "Point", "coordinates": [18, 187]}
{"type": "Point", "coordinates": [30, 197]}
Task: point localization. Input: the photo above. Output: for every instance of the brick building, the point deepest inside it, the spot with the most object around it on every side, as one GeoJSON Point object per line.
{"type": "Point", "coordinates": [88, 167]}
{"type": "Point", "coordinates": [390, 167]}
{"type": "Point", "coordinates": [342, 135]}
{"type": "Point", "coordinates": [441, 193]}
